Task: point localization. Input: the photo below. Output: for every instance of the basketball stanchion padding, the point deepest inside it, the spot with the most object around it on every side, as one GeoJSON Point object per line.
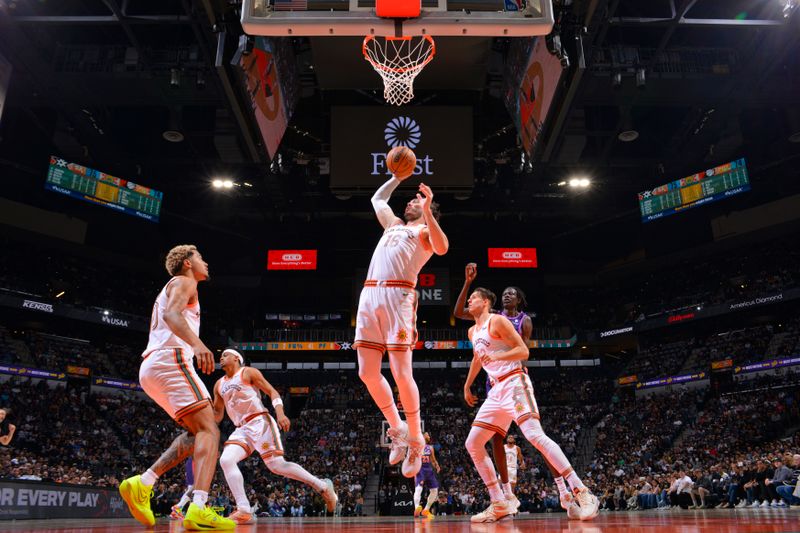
{"type": "Point", "coordinates": [398, 9]}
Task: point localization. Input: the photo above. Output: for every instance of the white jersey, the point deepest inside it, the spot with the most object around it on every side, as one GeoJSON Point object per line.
{"type": "Point", "coordinates": [161, 336]}
{"type": "Point", "coordinates": [484, 344]}
{"type": "Point", "coordinates": [399, 255]}
{"type": "Point", "coordinates": [511, 456]}
{"type": "Point", "coordinates": [241, 399]}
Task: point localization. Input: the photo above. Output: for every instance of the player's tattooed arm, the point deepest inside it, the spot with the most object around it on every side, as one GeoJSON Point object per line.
{"type": "Point", "coordinates": [181, 448]}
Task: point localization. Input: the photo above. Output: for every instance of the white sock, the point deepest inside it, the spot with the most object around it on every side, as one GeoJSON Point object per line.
{"type": "Point", "coordinates": [200, 498]}
{"type": "Point", "coordinates": [562, 487]}
{"type": "Point", "coordinates": [417, 496]}
{"type": "Point", "coordinates": [507, 492]}
{"type": "Point", "coordinates": [431, 498]}
{"type": "Point", "coordinates": [149, 478]}
{"type": "Point", "coordinates": [231, 456]}
{"type": "Point", "coordinates": [476, 442]}
{"type": "Point", "coordinates": [282, 467]}
{"type": "Point", "coordinates": [186, 498]}
{"type": "Point", "coordinates": [575, 482]}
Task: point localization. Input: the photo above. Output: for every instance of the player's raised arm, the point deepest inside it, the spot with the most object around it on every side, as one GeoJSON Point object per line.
{"type": "Point", "coordinates": [435, 234]}
{"type": "Point", "coordinates": [519, 351]}
{"type": "Point", "coordinates": [460, 310]}
{"type": "Point", "coordinates": [257, 379]}
{"type": "Point", "coordinates": [380, 203]}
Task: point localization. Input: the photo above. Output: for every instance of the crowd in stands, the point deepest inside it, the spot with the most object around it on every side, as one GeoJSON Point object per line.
{"type": "Point", "coordinates": [700, 280]}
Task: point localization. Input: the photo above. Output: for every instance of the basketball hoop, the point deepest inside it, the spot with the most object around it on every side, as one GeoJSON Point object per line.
{"type": "Point", "coordinates": [398, 60]}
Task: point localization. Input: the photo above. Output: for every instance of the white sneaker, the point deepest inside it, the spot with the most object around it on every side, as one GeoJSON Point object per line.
{"type": "Point", "coordinates": [398, 436]}
{"type": "Point", "coordinates": [764, 504]}
{"type": "Point", "coordinates": [574, 510]}
{"type": "Point", "coordinates": [741, 504]}
{"type": "Point", "coordinates": [589, 503]}
{"type": "Point", "coordinates": [413, 461]}
{"type": "Point", "coordinates": [513, 504]}
{"type": "Point", "coordinates": [329, 495]}
{"type": "Point", "coordinates": [566, 500]}
{"type": "Point", "coordinates": [493, 513]}
{"type": "Point", "coordinates": [782, 504]}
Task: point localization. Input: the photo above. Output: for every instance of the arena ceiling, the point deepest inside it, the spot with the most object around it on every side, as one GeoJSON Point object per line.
{"type": "Point", "coordinates": [92, 82]}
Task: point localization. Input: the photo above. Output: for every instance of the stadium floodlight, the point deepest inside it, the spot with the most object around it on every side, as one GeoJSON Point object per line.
{"type": "Point", "coordinates": [217, 184]}
{"type": "Point", "coordinates": [227, 184]}
{"type": "Point", "coordinates": [579, 183]}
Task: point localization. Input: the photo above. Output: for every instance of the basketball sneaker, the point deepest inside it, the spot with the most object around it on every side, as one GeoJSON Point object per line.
{"type": "Point", "coordinates": [413, 461]}
{"type": "Point", "coordinates": [493, 513]}
{"type": "Point", "coordinates": [176, 514]}
{"type": "Point", "coordinates": [398, 448]}
{"type": "Point", "coordinates": [330, 496]}
{"type": "Point", "coordinates": [513, 504]}
{"type": "Point", "coordinates": [206, 518]}
{"type": "Point", "coordinates": [241, 517]}
{"type": "Point", "coordinates": [589, 503]}
{"type": "Point", "coordinates": [137, 495]}
{"type": "Point", "coordinates": [427, 514]}
{"type": "Point", "coordinates": [566, 500]}
{"type": "Point", "coordinates": [417, 511]}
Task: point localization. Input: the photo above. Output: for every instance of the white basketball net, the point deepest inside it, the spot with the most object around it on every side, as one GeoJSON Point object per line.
{"type": "Point", "coordinates": [398, 60]}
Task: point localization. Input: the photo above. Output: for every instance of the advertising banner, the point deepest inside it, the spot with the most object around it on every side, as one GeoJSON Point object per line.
{"type": "Point", "coordinates": [722, 365]}
{"type": "Point", "coordinates": [21, 500]}
{"type": "Point", "coordinates": [628, 380]}
{"type": "Point", "coordinates": [108, 318]}
{"type": "Point", "coordinates": [115, 383]}
{"type": "Point", "coordinates": [292, 260]}
{"type": "Point", "coordinates": [441, 138]}
{"type": "Point", "coordinates": [672, 380]}
{"type": "Point", "coordinates": [513, 258]}
{"type": "Point", "coordinates": [767, 365]}
{"type": "Point", "coordinates": [26, 372]}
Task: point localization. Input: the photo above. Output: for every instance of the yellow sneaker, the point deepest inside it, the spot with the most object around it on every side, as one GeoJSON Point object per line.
{"type": "Point", "coordinates": [200, 519]}
{"type": "Point", "coordinates": [427, 514]}
{"type": "Point", "coordinates": [137, 495]}
{"type": "Point", "coordinates": [417, 511]}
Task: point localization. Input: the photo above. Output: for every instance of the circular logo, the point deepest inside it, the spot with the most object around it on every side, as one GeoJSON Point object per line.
{"type": "Point", "coordinates": [402, 131]}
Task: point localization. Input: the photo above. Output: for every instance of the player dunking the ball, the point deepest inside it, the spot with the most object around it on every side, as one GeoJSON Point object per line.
{"type": "Point", "coordinates": [514, 302]}
{"type": "Point", "coordinates": [386, 319]}
{"type": "Point", "coordinates": [500, 350]}
{"type": "Point", "coordinates": [239, 393]}
{"type": "Point", "coordinates": [168, 376]}
{"type": "Point", "coordinates": [426, 478]}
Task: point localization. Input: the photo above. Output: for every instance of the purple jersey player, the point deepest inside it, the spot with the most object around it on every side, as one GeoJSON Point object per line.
{"type": "Point", "coordinates": [426, 478]}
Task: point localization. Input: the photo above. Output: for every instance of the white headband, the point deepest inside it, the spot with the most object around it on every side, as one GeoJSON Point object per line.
{"type": "Point", "coordinates": [237, 354]}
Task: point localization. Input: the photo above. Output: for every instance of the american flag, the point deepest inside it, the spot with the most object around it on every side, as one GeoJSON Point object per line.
{"type": "Point", "coordinates": [291, 5]}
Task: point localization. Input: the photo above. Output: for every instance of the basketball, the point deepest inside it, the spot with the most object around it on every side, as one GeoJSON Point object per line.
{"type": "Point", "coordinates": [401, 162]}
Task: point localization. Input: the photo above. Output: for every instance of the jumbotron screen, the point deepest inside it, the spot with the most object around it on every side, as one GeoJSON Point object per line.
{"type": "Point", "coordinates": [698, 189]}
{"type": "Point", "coordinates": [104, 189]}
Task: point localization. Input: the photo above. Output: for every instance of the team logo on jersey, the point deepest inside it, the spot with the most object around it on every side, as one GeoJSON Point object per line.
{"type": "Point", "coordinates": [402, 335]}
{"type": "Point", "coordinates": [518, 408]}
{"type": "Point", "coordinates": [265, 446]}
{"type": "Point", "coordinates": [402, 131]}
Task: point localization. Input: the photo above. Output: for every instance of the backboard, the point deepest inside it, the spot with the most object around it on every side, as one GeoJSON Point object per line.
{"type": "Point", "coordinates": [476, 18]}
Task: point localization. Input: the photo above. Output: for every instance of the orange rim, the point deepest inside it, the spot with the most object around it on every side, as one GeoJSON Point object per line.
{"type": "Point", "coordinates": [380, 66]}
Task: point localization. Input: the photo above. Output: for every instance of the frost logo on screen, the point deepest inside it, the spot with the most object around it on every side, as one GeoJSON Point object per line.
{"type": "Point", "coordinates": [291, 257]}
{"type": "Point", "coordinates": [512, 255]}
{"type": "Point", "coordinates": [402, 131]}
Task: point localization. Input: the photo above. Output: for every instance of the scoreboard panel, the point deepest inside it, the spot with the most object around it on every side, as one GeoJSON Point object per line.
{"type": "Point", "coordinates": [104, 189]}
{"type": "Point", "coordinates": [698, 189]}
